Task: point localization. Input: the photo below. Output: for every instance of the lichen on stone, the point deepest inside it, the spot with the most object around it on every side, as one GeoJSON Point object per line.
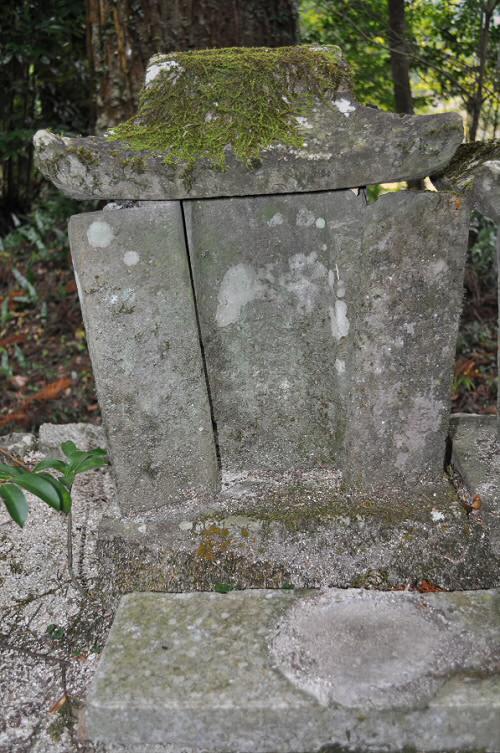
{"type": "Point", "coordinates": [197, 104]}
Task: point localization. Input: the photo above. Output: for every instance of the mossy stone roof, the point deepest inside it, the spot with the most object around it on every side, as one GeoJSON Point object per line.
{"type": "Point", "coordinates": [197, 104]}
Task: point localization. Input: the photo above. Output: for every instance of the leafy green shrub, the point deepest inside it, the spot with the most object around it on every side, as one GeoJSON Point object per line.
{"type": "Point", "coordinates": [54, 490]}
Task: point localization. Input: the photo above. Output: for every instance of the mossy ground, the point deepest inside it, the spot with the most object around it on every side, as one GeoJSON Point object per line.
{"type": "Point", "coordinates": [249, 98]}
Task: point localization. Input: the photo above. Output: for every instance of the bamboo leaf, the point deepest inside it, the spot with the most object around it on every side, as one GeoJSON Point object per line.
{"type": "Point", "coordinates": [58, 465]}
{"type": "Point", "coordinates": [15, 502]}
{"type": "Point", "coordinates": [39, 486]}
{"type": "Point", "coordinates": [64, 495]}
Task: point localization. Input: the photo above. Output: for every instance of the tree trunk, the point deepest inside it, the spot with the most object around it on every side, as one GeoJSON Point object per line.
{"type": "Point", "coordinates": [400, 66]}
{"type": "Point", "coordinates": [477, 100]}
{"type": "Point", "coordinates": [122, 36]}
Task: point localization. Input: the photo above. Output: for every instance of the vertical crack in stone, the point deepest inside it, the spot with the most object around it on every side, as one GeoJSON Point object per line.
{"type": "Point", "coordinates": [200, 340]}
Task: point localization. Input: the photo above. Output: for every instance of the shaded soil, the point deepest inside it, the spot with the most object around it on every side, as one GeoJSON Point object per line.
{"type": "Point", "coordinates": [45, 370]}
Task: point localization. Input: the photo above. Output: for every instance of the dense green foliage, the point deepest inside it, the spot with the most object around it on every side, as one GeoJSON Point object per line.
{"type": "Point", "coordinates": [44, 83]}
{"type": "Point", "coordinates": [201, 101]}
{"type": "Point", "coordinates": [54, 490]}
{"type": "Point", "coordinates": [444, 44]}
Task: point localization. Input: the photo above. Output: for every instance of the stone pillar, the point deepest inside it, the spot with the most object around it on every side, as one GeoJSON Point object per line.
{"type": "Point", "coordinates": [404, 340]}
{"type": "Point", "coordinates": [135, 289]}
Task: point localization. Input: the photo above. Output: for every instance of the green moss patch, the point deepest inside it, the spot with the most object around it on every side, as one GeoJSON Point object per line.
{"type": "Point", "coordinates": [201, 102]}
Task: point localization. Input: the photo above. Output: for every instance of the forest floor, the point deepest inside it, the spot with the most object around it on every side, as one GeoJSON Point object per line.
{"type": "Point", "coordinates": [45, 370]}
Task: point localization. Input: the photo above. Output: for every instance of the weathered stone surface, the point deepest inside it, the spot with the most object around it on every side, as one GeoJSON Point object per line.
{"type": "Point", "coordinates": [475, 172]}
{"type": "Point", "coordinates": [345, 145]}
{"type": "Point", "coordinates": [18, 443]}
{"type": "Point", "coordinates": [274, 671]}
{"type": "Point", "coordinates": [135, 288]}
{"type": "Point", "coordinates": [275, 278]}
{"type": "Point", "coordinates": [405, 317]}
{"type": "Point", "coordinates": [85, 436]}
{"type": "Point", "coordinates": [267, 530]}
{"type": "Point", "coordinates": [476, 457]}
{"type": "Point", "coordinates": [317, 333]}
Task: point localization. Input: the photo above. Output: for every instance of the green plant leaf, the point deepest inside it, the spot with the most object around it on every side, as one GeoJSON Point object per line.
{"type": "Point", "coordinates": [62, 491]}
{"type": "Point", "coordinates": [223, 588]}
{"type": "Point", "coordinates": [70, 449]}
{"type": "Point", "coordinates": [8, 471]}
{"type": "Point", "coordinates": [90, 463]}
{"type": "Point", "coordinates": [39, 486]}
{"type": "Point", "coordinates": [15, 502]}
{"type": "Point", "coordinates": [58, 465]}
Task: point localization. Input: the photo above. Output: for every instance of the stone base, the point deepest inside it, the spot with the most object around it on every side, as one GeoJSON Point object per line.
{"type": "Point", "coordinates": [282, 671]}
{"type": "Point", "coordinates": [303, 530]}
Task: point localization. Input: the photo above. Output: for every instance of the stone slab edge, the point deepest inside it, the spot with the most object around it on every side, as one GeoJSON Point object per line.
{"type": "Point", "coordinates": [215, 672]}
{"type": "Point", "coordinates": [344, 148]}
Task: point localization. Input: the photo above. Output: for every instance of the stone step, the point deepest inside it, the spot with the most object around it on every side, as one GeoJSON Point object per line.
{"type": "Point", "coordinates": [280, 671]}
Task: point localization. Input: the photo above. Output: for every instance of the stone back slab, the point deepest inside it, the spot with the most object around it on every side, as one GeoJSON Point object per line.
{"type": "Point", "coordinates": [277, 671]}
{"type": "Point", "coordinates": [134, 283]}
{"type": "Point", "coordinates": [275, 279]}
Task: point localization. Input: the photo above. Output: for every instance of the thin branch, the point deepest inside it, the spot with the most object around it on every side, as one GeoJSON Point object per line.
{"type": "Point", "coordinates": [467, 94]}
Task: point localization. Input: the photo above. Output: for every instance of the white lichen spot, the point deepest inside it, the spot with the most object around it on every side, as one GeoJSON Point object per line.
{"type": "Point", "coordinates": [344, 106]}
{"type": "Point", "coordinates": [339, 366]}
{"type": "Point", "coordinates": [156, 68]}
{"type": "Point", "coordinates": [305, 280]}
{"type": "Point", "coordinates": [304, 123]}
{"type": "Point", "coordinates": [409, 327]}
{"type": "Point", "coordinates": [239, 287]}
{"type": "Point", "coordinates": [276, 219]}
{"type": "Point", "coordinates": [355, 191]}
{"type": "Point", "coordinates": [340, 289]}
{"type": "Point", "coordinates": [186, 525]}
{"type": "Point", "coordinates": [100, 234]}
{"type": "Point", "coordinates": [320, 223]}
{"type": "Point", "coordinates": [331, 278]}
{"type": "Point", "coordinates": [131, 258]}
{"type": "Point", "coordinates": [436, 515]}
{"type": "Point", "coordinates": [305, 218]}
{"type": "Point", "coordinates": [339, 322]}
{"type": "Point", "coordinates": [324, 247]}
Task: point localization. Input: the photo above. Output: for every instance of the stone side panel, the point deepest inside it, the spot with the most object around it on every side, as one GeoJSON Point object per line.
{"type": "Point", "coordinates": [404, 338]}
{"type": "Point", "coordinates": [134, 284]}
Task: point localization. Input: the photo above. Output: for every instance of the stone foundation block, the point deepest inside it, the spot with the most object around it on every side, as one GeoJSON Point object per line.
{"type": "Point", "coordinates": [284, 671]}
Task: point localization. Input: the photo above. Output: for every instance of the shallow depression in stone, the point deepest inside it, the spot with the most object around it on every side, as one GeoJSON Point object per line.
{"type": "Point", "coordinates": [357, 652]}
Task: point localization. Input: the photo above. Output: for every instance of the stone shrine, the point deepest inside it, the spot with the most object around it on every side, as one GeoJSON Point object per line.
{"type": "Point", "coordinates": [273, 355]}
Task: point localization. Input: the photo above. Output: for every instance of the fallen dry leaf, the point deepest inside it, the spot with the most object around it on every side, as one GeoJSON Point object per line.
{"type": "Point", "coordinates": [51, 391]}
{"type": "Point", "coordinates": [62, 701]}
{"type": "Point", "coordinates": [426, 586]}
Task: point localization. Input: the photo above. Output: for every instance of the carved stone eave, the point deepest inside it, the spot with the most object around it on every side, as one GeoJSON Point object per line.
{"type": "Point", "coordinates": [345, 145]}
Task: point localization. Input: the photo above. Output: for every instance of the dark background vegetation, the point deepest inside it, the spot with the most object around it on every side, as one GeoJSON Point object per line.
{"type": "Point", "coordinates": [77, 67]}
